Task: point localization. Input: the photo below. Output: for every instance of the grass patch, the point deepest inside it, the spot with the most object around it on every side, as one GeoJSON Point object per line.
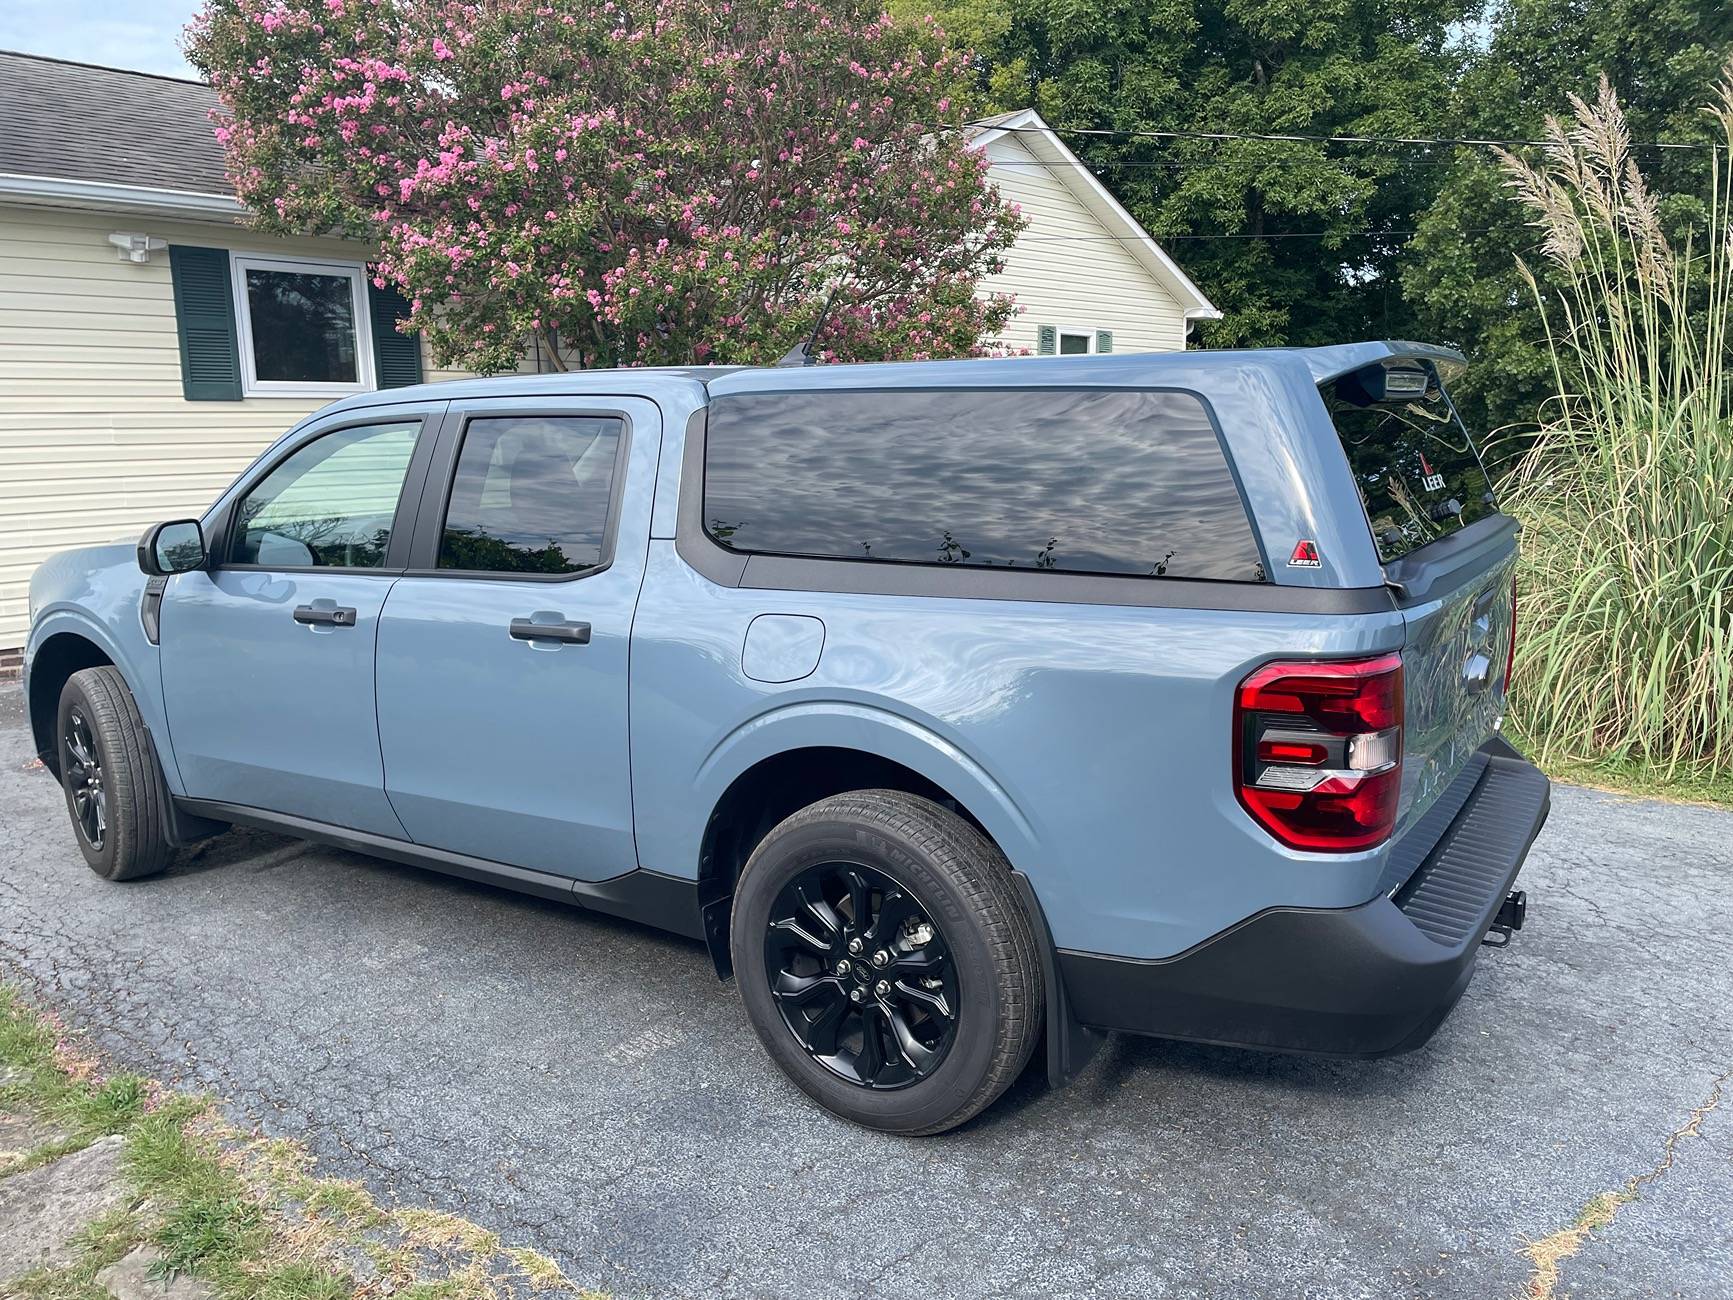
{"type": "Point", "coordinates": [245, 1214]}
{"type": "Point", "coordinates": [1710, 787]}
{"type": "Point", "coordinates": [102, 1244]}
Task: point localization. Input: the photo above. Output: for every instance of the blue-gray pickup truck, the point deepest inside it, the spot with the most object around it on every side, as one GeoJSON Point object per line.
{"type": "Point", "coordinates": [960, 708]}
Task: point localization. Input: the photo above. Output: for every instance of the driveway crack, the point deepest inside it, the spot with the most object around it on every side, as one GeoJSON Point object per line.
{"type": "Point", "coordinates": [1548, 1253]}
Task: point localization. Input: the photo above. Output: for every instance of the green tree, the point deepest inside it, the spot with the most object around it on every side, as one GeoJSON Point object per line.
{"type": "Point", "coordinates": [1460, 273]}
{"type": "Point", "coordinates": [1298, 242]}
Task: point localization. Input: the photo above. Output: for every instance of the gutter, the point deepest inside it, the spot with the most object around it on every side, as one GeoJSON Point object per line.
{"type": "Point", "coordinates": [65, 192]}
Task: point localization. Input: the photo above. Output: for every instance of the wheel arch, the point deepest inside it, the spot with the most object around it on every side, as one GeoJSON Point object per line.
{"type": "Point", "coordinates": [67, 650]}
{"type": "Point", "coordinates": [789, 759]}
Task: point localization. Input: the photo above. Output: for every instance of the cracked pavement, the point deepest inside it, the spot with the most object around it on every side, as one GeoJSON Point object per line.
{"type": "Point", "coordinates": [587, 1087]}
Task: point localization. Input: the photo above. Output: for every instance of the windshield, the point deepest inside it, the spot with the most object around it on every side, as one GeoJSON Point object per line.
{"type": "Point", "coordinates": [1420, 475]}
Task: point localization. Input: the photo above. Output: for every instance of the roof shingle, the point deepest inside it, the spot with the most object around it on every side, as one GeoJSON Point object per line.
{"type": "Point", "coordinates": [80, 122]}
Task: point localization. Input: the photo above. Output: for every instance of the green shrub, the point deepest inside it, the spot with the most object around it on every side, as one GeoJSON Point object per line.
{"type": "Point", "coordinates": [1626, 491]}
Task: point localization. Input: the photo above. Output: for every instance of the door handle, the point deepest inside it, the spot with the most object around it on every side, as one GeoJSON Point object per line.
{"type": "Point", "coordinates": [342, 616]}
{"type": "Point", "coordinates": [523, 629]}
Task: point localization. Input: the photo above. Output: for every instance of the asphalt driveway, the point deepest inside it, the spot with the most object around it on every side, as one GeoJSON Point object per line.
{"type": "Point", "coordinates": [588, 1087]}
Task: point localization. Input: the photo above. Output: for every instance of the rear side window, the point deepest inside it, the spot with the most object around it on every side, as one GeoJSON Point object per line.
{"type": "Point", "coordinates": [531, 495]}
{"type": "Point", "coordinates": [1069, 480]}
{"type": "Point", "coordinates": [1420, 475]}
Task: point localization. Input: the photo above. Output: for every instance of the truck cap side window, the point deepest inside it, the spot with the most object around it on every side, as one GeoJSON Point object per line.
{"type": "Point", "coordinates": [1419, 473]}
{"type": "Point", "coordinates": [1116, 481]}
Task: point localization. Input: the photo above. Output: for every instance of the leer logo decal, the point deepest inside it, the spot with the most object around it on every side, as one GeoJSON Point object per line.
{"type": "Point", "coordinates": [1430, 479]}
{"type": "Point", "coordinates": [1305, 556]}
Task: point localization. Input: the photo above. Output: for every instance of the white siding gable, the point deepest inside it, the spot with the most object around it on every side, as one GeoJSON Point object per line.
{"type": "Point", "coordinates": [1070, 271]}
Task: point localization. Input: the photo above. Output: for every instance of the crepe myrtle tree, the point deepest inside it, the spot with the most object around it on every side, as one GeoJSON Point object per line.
{"type": "Point", "coordinates": [661, 182]}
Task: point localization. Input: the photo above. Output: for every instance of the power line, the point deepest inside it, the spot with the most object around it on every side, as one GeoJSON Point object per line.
{"type": "Point", "coordinates": [1197, 164]}
{"type": "Point", "coordinates": [1280, 234]}
{"type": "Point", "coordinates": [1299, 138]}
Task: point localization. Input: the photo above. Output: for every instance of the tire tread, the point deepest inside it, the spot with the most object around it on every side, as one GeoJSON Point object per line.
{"type": "Point", "coordinates": [136, 788]}
{"type": "Point", "coordinates": [983, 876]}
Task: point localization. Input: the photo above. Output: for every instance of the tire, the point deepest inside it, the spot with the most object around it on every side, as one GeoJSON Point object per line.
{"type": "Point", "coordinates": [98, 716]}
{"type": "Point", "coordinates": [965, 1003]}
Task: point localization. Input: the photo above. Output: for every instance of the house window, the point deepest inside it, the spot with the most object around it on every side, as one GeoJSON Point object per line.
{"type": "Point", "coordinates": [303, 327]}
{"type": "Point", "coordinates": [1071, 340]}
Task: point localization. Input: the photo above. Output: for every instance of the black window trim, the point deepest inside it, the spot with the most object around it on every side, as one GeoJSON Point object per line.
{"type": "Point", "coordinates": [770, 572]}
{"type": "Point", "coordinates": [423, 556]}
{"type": "Point", "coordinates": [426, 415]}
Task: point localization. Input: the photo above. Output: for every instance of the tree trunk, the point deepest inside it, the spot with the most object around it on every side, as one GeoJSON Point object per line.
{"type": "Point", "coordinates": [548, 344]}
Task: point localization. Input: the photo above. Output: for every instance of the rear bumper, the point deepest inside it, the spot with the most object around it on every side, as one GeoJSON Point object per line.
{"type": "Point", "coordinates": [1361, 981]}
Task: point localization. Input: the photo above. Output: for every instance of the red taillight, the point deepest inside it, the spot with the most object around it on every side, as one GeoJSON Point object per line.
{"type": "Point", "coordinates": [1318, 751]}
{"type": "Point", "coordinates": [1510, 658]}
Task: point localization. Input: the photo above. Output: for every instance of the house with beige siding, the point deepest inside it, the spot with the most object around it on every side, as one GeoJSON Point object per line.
{"type": "Point", "coordinates": [151, 344]}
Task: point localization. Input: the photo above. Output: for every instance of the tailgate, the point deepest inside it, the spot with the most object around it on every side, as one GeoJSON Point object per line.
{"type": "Point", "coordinates": [1456, 598]}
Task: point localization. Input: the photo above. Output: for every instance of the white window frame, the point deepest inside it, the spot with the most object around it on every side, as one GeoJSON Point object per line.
{"type": "Point", "coordinates": [1086, 333]}
{"type": "Point", "coordinates": [355, 272]}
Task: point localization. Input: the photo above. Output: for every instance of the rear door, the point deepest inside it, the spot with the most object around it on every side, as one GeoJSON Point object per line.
{"type": "Point", "coordinates": [1449, 552]}
{"type": "Point", "coordinates": [503, 650]}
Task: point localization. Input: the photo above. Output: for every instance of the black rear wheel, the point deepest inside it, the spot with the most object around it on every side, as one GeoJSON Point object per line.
{"type": "Point", "coordinates": [886, 962]}
{"type": "Point", "coordinates": [862, 975]}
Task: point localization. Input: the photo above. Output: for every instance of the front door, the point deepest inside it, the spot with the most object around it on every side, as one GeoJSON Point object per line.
{"type": "Point", "coordinates": [503, 650]}
{"type": "Point", "coordinates": [268, 657]}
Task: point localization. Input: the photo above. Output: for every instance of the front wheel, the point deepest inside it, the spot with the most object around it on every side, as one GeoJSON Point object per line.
{"type": "Point", "coordinates": [885, 961]}
{"type": "Point", "coordinates": [108, 770]}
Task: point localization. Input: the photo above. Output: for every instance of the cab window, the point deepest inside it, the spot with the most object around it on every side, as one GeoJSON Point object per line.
{"type": "Point", "coordinates": [532, 494]}
{"type": "Point", "coordinates": [331, 504]}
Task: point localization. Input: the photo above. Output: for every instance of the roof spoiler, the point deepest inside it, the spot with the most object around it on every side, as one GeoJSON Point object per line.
{"type": "Point", "coordinates": [1330, 363]}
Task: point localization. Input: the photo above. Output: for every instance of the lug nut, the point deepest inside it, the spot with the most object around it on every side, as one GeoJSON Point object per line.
{"type": "Point", "coordinates": [854, 995]}
{"type": "Point", "coordinates": [843, 967]}
{"type": "Point", "coordinates": [881, 988]}
{"type": "Point", "coordinates": [854, 945]}
{"type": "Point", "coordinates": [881, 957]}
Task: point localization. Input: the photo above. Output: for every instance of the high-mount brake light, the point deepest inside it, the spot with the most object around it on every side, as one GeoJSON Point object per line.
{"type": "Point", "coordinates": [1318, 751]}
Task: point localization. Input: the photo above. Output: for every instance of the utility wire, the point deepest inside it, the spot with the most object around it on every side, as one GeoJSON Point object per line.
{"type": "Point", "coordinates": [1298, 138]}
{"type": "Point", "coordinates": [1202, 164]}
{"type": "Point", "coordinates": [1280, 234]}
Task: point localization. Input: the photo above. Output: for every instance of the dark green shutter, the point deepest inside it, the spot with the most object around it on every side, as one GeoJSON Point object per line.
{"type": "Point", "coordinates": [205, 322]}
{"type": "Point", "coordinates": [1046, 340]}
{"type": "Point", "coordinates": [1104, 340]}
{"type": "Point", "coordinates": [397, 357]}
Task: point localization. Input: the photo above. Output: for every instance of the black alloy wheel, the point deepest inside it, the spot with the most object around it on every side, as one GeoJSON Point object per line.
{"type": "Point", "coordinates": [82, 763]}
{"type": "Point", "coordinates": [885, 960]}
{"type": "Point", "coordinates": [862, 975]}
{"type": "Point", "coordinates": [108, 772]}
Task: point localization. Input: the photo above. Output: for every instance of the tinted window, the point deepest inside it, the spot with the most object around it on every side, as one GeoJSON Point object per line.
{"type": "Point", "coordinates": [303, 326]}
{"type": "Point", "coordinates": [1420, 476]}
{"type": "Point", "coordinates": [330, 503]}
{"type": "Point", "coordinates": [531, 495]}
{"type": "Point", "coordinates": [1080, 481]}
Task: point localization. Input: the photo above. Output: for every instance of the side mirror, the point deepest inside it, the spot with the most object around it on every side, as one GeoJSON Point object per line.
{"type": "Point", "coordinates": [174, 547]}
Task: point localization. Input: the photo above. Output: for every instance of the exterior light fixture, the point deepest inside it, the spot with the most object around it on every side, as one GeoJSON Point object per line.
{"type": "Point", "coordinates": [136, 247]}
